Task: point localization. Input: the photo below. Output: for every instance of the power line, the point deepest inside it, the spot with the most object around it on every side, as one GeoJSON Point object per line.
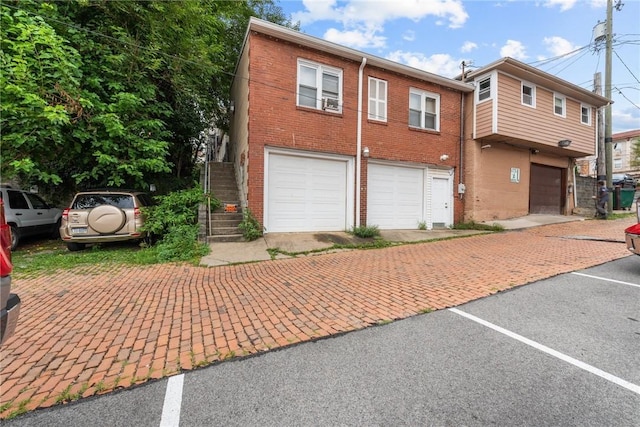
{"type": "Point", "coordinates": [625, 65]}
{"type": "Point", "coordinates": [625, 97]}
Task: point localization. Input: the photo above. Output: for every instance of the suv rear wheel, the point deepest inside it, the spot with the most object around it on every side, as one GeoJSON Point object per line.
{"type": "Point", "coordinates": [73, 247]}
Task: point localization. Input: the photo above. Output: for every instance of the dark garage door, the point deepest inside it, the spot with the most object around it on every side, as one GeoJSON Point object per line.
{"type": "Point", "coordinates": [547, 190]}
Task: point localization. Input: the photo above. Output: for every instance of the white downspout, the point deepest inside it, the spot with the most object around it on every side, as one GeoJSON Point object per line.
{"type": "Point", "coordinates": [359, 141]}
{"type": "Point", "coordinates": [575, 185]}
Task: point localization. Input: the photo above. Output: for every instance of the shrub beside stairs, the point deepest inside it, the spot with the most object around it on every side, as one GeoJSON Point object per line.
{"type": "Point", "coordinates": [223, 222]}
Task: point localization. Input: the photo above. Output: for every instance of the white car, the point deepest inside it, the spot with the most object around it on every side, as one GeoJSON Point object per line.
{"type": "Point", "coordinates": [28, 215]}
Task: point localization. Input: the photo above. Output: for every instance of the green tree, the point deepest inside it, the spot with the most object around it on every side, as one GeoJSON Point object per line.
{"type": "Point", "coordinates": [635, 152]}
{"type": "Point", "coordinates": [40, 84]}
{"type": "Point", "coordinates": [116, 93]}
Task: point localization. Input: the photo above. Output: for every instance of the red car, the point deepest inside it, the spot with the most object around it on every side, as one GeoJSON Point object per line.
{"type": "Point", "coordinates": [632, 234]}
{"type": "Point", "coordinates": [10, 308]}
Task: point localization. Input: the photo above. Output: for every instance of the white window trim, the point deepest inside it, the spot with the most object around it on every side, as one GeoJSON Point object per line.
{"type": "Point", "coordinates": [380, 114]}
{"type": "Point", "coordinates": [425, 94]}
{"type": "Point", "coordinates": [533, 94]}
{"type": "Point", "coordinates": [588, 122]}
{"type": "Point", "coordinates": [491, 79]}
{"type": "Point", "coordinates": [564, 104]}
{"type": "Point", "coordinates": [321, 69]}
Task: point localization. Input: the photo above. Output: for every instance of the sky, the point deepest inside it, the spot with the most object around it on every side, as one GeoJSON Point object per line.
{"type": "Point", "coordinates": [555, 36]}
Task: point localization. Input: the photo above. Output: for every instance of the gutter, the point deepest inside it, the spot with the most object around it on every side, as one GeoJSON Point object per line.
{"type": "Point", "coordinates": [359, 141]}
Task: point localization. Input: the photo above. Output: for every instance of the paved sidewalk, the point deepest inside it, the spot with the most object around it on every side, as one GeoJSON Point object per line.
{"type": "Point", "coordinates": [92, 330]}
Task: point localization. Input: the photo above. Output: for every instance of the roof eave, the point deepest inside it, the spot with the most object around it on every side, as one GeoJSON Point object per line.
{"type": "Point", "coordinates": [542, 78]}
{"type": "Point", "coordinates": [283, 33]}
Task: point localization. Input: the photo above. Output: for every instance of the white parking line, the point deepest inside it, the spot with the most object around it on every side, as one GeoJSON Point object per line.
{"type": "Point", "coordinates": [605, 279]}
{"type": "Point", "coordinates": [612, 378]}
{"type": "Point", "coordinates": [172, 402]}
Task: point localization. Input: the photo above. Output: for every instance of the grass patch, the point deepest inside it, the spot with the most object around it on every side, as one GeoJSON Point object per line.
{"type": "Point", "coordinates": [52, 255]}
{"type": "Point", "coordinates": [472, 225]}
{"type": "Point", "coordinates": [365, 231]}
{"type": "Point", "coordinates": [614, 215]}
{"type": "Point", "coordinates": [22, 408]}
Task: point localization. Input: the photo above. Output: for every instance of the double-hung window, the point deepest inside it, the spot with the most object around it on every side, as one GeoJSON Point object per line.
{"type": "Point", "coordinates": [559, 105]}
{"type": "Point", "coordinates": [528, 94]}
{"type": "Point", "coordinates": [484, 88]}
{"type": "Point", "coordinates": [424, 109]}
{"type": "Point", "coordinates": [377, 99]}
{"type": "Point", "coordinates": [585, 114]}
{"type": "Point", "coordinates": [319, 86]}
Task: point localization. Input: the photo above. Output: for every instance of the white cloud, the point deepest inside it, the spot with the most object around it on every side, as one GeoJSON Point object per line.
{"type": "Point", "coordinates": [468, 47]}
{"type": "Point", "coordinates": [409, 35]}
{"type": "Point", "coordinates": [513, 49]}
{"type": "Point", "coordinates": [598, 3]}
{"type": "Point", "coordinates": [564, 4]}
{"type": "Point", "coordinates": [441, 64]}
{"type": "Point", "coordinates": [558, 46]}
{"type": "Point", "coordinates": [377, 12]}
{"type": "Point", "coordinates": [625, 119]}
{"type": "Point", "coordinates": [357, 39]}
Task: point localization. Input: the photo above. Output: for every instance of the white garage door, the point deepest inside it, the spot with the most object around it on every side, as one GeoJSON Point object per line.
{"type": "Point", "coordinates": [395, 197]}
{"type": "Point", "coordinates": [306, 194]}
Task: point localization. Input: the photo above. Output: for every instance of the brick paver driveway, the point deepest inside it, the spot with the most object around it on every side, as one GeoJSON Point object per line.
{"type": "Point", "coordinates": [90, 331]}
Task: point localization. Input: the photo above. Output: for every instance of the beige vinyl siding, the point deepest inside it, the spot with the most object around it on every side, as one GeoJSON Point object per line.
{"type": "Point", "coordinates": [484, 119]}
{"type": "Point", "coordinates": [540, 124]}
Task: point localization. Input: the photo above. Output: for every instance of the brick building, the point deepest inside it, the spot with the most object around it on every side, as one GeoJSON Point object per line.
{"type": "Point", "coordinates": [327, 138]}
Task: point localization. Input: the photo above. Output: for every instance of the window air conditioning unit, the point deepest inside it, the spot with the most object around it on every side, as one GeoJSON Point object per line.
{"type": "Point", "coordinates": [330, 104]}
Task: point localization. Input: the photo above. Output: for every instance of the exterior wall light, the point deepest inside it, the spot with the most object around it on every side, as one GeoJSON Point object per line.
{"type": "Point", "coordinates": [444, 157]}
{"type": "Point", "coordinates": [365, 152]}
{"type": "Point", "coordinates": [564, 143]}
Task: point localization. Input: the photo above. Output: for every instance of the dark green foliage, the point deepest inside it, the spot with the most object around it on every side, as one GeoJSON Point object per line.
{"type": "Point", "coordinates": [100, 93]}
{"type": "Point", "coordinates": [175, 220]}
{"type": "Point", "coordinates": [174, 210]}
{"type": "Point", "coordinates": [250, 227]}
{"type": "Point", "coordinates": [180, 244]}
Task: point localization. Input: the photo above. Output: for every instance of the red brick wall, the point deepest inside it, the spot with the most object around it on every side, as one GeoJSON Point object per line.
{"type": "Point", "coordinates": [275, 120]}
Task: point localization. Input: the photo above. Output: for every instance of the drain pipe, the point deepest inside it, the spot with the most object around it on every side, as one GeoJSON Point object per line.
{"type": "Point", "coordinates": [461, 166]}
{"type": "Point", "coordinates": [359, 141]}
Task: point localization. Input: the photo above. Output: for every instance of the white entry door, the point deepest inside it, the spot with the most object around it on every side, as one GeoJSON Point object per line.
{"type": "Point", "coordinates": [441, 202]}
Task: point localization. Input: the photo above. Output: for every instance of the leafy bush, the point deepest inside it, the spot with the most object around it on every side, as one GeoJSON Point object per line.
{"type": "Point", "coordinates": [175, 209]}
{"type": "Point", "coordinates": [250, 227]}
{"type": "Point", "coordinates": [181, 244]}
{"type": "Point", "coordinates": [175, 220]}
{"type": "Point", "coordinates": [366, 231]}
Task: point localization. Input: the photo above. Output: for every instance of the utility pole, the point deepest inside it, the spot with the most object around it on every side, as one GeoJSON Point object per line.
{"type": "Point", "coordinates": [600, 160]}
{"type": "Point", "coordinates": [607, 93]}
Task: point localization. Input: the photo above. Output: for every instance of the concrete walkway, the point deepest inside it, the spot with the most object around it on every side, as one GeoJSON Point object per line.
{"type": "Point", "coordinates": [91, 330]}
{"type": "Point", "coordinates": [287, 245]}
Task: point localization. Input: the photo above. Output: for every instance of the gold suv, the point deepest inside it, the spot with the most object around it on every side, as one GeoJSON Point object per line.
{"type": "Point", "coordinates": [99, 216]}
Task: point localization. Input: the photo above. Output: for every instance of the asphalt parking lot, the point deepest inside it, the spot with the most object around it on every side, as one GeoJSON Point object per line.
{"type": "Point", "coordinates": [560, 351]}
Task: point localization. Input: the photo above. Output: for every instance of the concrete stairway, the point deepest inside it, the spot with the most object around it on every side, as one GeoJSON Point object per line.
{"type": "Point", "coordinates": [223, 225]}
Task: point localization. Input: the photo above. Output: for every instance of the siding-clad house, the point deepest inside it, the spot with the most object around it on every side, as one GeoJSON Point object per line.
{"type": "Point", "coordinates": [524, 130]}
{"type": "Point", "coordinates": [622, 151]}
{"type": "Point", "coordinates": [325, 138]}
